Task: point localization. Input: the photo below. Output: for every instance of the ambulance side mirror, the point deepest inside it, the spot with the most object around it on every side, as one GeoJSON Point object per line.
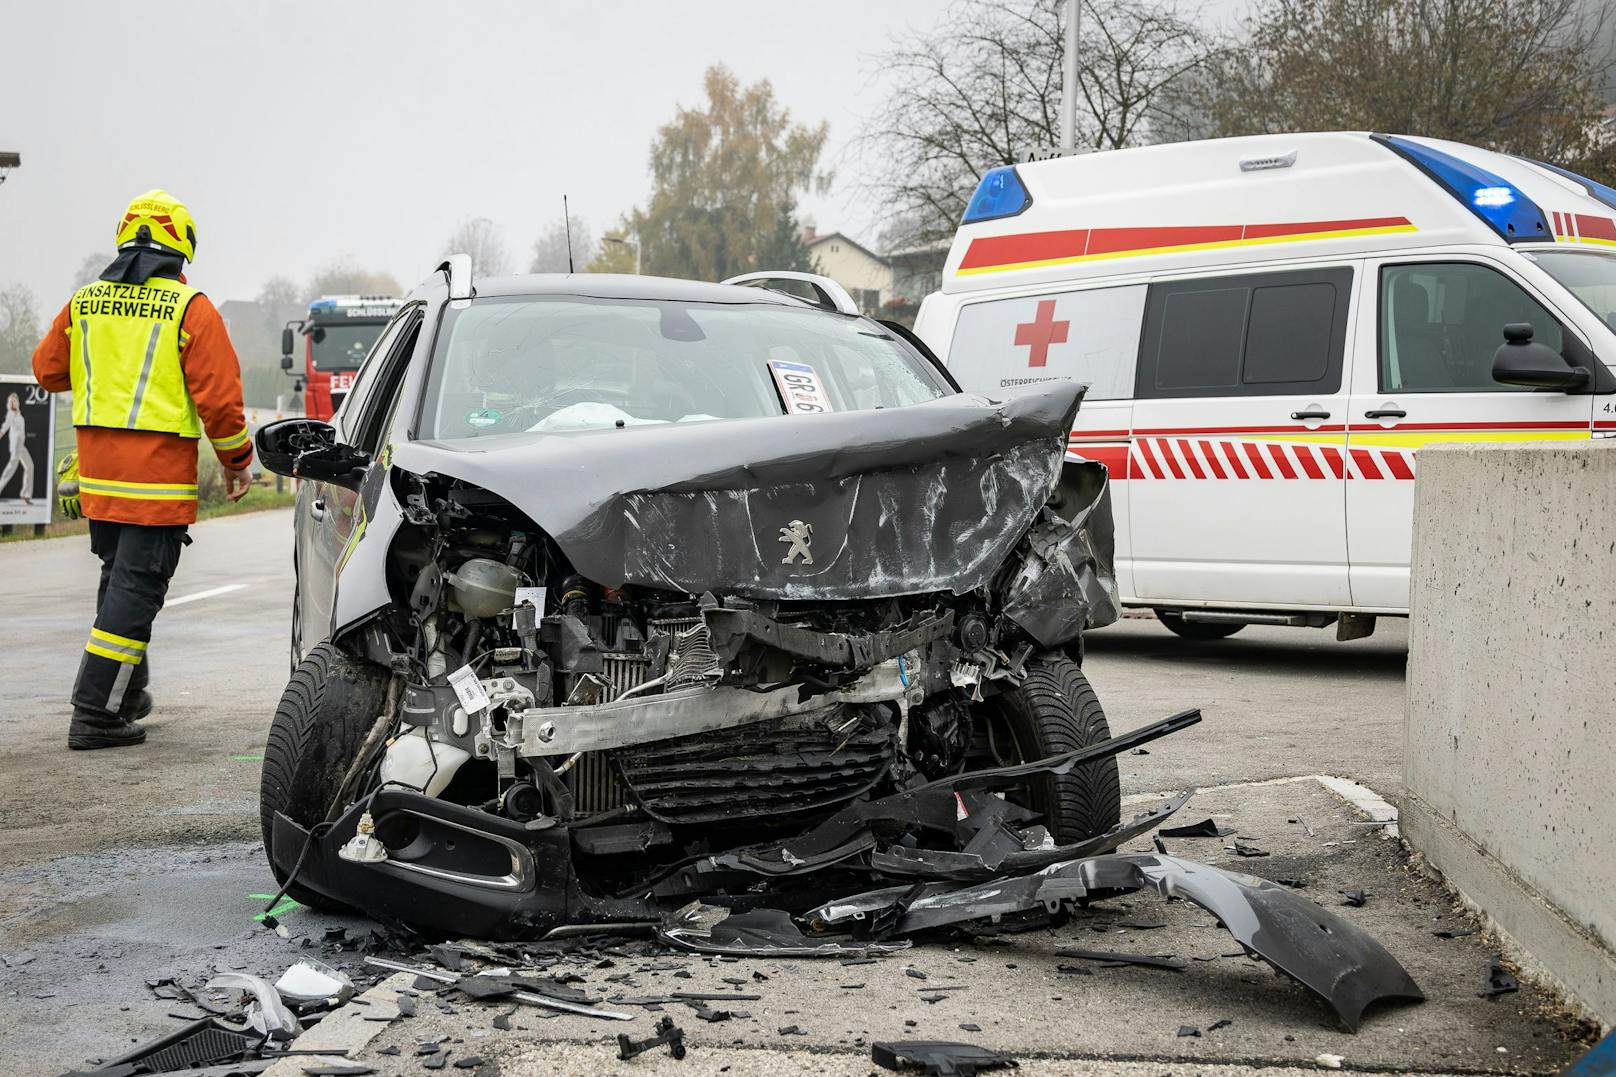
{"type": "Point", "coordinates": [1523, 361]}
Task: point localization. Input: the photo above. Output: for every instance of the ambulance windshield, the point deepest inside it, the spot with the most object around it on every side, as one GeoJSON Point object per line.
{"type": "Point", "coordinates": [555, 364]}
{"type": "Point", "coordinates": [1589, 275]}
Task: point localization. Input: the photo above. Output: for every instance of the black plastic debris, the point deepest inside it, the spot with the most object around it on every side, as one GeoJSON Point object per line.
{"type": "Point", "coordinates": [1499, 980]}
{"type": "Point", "coordinates": [1206, 828]}
{"type": "Point", "coordinates": [1294, 884]}
{"type": "Point", "coordinates": [338, 1069]}
{"type": "Point", "coordinates": [665, 1032]}
{"type": "Point", "coordinates": [1246, 848]}
{"type": "Point", "coordinates": [1222, 1022]}
{"type": "Point", "coordinates": [1113, 957]}
{"type": "Point", "coordinates": [1189, 1030]}
{"type": "Point", "coordinates": [1454, 932]}
{"type": "Point", "coordinates": [470, 1062]}
{"type": "Point", "coordinates": [791, 1030]}
{"type": "Point", "coordinates": [502, 1021]}
{"type": "Point", "coordinates": [970, 1026]}
{"type": "Point", "coordinates": [437, 1060]}
{"type": "Point", "coordinates": [1354, 898]}
{"type": "Point", "coordinates": [208, 1042]}
{"type": "Point", "coordinates": [939, 1057]}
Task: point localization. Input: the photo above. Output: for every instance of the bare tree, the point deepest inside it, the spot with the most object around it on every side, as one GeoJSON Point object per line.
{"type": "Point", "coordinates": [19, 329]}
{"type": "Point", "coordinates": [480, 238]}
{"type": "Point", "coordinates": [1524, 76]}
{"type": "Point", "coordinates": [966, 98]}
{"type": "Point", "coordinates": [550, 250]}
{"type": "Point", "coordinates": [91, 268]}
{"type": "Point", "coordinates": [343, 277]}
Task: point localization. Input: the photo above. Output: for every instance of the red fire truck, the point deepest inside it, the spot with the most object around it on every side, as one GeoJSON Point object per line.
{"type": "Point", "coordinates": [338, 331]}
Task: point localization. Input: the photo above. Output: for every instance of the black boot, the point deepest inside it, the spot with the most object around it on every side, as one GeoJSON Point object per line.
{"type": "Point", "coordinates": [90, 731]}
{"type": "Point", "coordinates": [138, 707]}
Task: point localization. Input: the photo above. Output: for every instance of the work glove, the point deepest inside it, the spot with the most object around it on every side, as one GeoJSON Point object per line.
{"type": "Point", "coordinates": [67, 487]}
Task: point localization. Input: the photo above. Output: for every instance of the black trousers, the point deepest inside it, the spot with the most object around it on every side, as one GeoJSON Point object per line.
{"type": "Point", "coordinates": [136, 564]}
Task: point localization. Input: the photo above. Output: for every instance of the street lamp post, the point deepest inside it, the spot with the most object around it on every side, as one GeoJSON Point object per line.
{"type": "Point", "coordinates": [1074, 13]}
{"type": "Point", "coordinates": [627, 243]}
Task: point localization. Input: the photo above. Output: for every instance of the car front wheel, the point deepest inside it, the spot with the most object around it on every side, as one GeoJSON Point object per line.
{"type": "Point", "coordinates": [327, 708]}
{"type": "Point", "coordinates": [1055, 710]}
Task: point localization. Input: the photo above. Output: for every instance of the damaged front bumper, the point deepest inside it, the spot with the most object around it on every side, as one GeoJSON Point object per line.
{"type": "Point", "coordinates": [461, 871]}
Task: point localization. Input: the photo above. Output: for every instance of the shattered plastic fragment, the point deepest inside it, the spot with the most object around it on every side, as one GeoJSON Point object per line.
{"type": "Point", "coordinates": [1499, 980]}
{"type": "Point", "coordinates": [1206, 828]}
{"type": "Point", "coordinates": [266, 1013]}
{"type": "Point", "coordinates": [314, 981]}
{"type": "Point", "coordinates": [1154, 961]}
{"type": "Point", "coordinates": [938, 1057]}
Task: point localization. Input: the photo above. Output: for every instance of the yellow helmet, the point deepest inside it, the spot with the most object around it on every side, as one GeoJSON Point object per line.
{"type": "Point", "coordinates": [158, 217]}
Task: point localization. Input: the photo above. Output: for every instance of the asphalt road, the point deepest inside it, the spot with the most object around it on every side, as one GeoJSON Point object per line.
{"type": "Point", "coordinates": [119, 867]}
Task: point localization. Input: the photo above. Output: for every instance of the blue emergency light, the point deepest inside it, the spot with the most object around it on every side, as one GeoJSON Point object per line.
{"type": "Point", "coordinates": [1598, 191]}
{"type": "Point", "coordinates": [1000, 194]}
{"type": "Point", "coordinates": [1502, 205]}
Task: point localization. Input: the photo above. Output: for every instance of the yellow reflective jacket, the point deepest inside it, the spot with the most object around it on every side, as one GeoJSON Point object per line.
{"type": "Point", "coordinates": [125, 342]}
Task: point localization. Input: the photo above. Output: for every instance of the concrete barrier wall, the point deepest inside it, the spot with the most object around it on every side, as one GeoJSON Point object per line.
{"type": "Point", "coordinates": [1510, 751]}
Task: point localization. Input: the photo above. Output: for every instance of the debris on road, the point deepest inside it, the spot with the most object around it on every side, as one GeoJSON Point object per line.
{"type": "Point", "coordinates": [1354, 898]}
{"type": "Point", "coordinates": [1114, 958]}
{"type": "Point", "coordinates": [1328, 1061]}
{"type": "Point", "coordinates": [1206, 828]}
{"type": "Point", "coordinates": [1246, 848]}
{"type": "Point", "coordinates": [938, 1057]}
{"type": "Point", "coordinates": [1499, 980]}
{"type": "Point", "coordinates": [666, 1033]}
{"type": "Point", "coordinates": [1189, 1030]}
{"type": "Point", "coordinates": [311, 981]}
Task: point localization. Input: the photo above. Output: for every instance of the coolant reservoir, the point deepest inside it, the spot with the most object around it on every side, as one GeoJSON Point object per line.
{"type": "Point", "coordinates": [415, 764]}
{"type": "Point", "coordinates": [483, 587]}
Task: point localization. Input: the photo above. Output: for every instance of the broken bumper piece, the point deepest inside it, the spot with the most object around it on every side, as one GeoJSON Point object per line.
{"type": "Point", "coordinates": [1337, 961]}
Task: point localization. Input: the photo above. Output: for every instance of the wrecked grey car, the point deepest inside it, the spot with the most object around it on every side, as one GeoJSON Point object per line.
{"type": "Point", "coordinates": [598, 576]}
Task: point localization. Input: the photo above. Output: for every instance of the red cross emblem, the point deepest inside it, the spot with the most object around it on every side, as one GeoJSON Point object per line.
{"type": "Point", "coordinates": [1041, 332]}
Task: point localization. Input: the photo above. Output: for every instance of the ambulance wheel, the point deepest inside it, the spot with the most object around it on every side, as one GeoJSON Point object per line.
{"type": "Point", "coordinates": [1055, 710]}
{"type": "Point", "coordinates": [324, 714]}
{"type": "Point", "coordinates": [1175, 623]}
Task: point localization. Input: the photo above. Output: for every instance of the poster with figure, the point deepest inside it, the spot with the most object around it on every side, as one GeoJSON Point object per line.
{"type": "Point", "coordinates": [27, 451]}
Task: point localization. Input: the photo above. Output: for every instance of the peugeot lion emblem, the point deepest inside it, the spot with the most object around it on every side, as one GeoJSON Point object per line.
{"type": "Point", "coordinates": [800, 535]}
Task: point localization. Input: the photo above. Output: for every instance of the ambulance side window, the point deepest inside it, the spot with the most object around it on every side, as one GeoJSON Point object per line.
{"type": "Point", "coordinates": [1090, 335]}
{"type": "Point", "coordinates": [1259, 334]}
{"type": "Point", "coordinates": [1441, 322]}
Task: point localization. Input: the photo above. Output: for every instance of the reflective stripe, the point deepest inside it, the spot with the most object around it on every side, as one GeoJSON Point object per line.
{"type": "Point", "coordinates": [113, 638]}
{"type": "Point", "coordinates": [84, 350]}
{"type": "Point", "coordinates": [145, 374]}
{"type": "Point", "coordinates": [120, 686]}
{"type": "Point", "coordinates": [107, 645]}
{"type": "Point", "coordinates": [146, 491]}
{"type": "Point", "coordinates": [234, 441]}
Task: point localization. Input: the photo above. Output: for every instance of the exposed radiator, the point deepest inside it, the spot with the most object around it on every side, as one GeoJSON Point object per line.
{"type": "Point", "coordinates": [594, 785]}
{"type": "Point", "coordinates": [692, 660]}
{"type": "Point", "coordinates": [624, 671]}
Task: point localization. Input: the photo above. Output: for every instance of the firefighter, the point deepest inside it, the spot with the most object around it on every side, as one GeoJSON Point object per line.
{"type": "Point", "coordinates": [152, 371]}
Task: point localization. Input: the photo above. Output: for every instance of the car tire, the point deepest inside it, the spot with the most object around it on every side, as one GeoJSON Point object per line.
{"type": "Point", "coordinates": [1055, 710]}
{"type": "Point", "coordinates": [297, 619]}
{"type": "Point", "coordinates": [1175, 623]}
{"type": "Point", "coordinates": [325, 712]}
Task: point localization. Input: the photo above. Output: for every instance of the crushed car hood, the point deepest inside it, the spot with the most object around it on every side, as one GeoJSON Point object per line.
{"type": "Point", "coordinates": [849, 505]}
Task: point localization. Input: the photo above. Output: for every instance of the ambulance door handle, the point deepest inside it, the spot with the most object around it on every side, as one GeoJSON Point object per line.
{"type": "Point", "coordinates": [1386, 413]}
{"type": "Point", "coordinates": [1310, 415]}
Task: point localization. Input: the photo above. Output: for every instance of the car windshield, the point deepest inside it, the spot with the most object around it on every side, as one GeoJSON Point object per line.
{"type": "Point", "coordinates": [565, 363]}
{"type": "Point", "coordinates": [1590, 275]}
{"type": "Point", "coordinates": [343, 346]}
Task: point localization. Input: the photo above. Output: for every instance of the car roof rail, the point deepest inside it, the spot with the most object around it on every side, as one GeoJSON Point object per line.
{"type": "Point", "coordinates": [827, 293]}
{"type": "Point", "coordinates": [458, 268]}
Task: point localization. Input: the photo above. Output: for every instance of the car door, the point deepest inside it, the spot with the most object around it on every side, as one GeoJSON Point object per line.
{"type": "Point", "coordinates": [330, 511]}
{"type": "Point", "coordinates": [1425, 376]}
{"type": "Point", "coordinates": [1237, 496]}
{"type": "Point", "coordinates": [1089, 335]}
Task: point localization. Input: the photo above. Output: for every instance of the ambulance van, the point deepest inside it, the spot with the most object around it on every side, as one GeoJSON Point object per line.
{"type": "Point", "coordinates": [1271, 329]}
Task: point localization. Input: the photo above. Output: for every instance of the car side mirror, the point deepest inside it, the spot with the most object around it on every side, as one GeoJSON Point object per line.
{"type": "Point", "coordinates": [287, 343]}
{"type": "Point", "coordinates": [1523, 361]}
{"type": "Point", "coordinates": [308, 449]}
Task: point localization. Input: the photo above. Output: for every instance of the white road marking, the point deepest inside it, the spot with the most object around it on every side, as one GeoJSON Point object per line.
{"type": "Point", "coordinates": [1359, 796]}
{"type": "Point", "coordinates": [212, 592]}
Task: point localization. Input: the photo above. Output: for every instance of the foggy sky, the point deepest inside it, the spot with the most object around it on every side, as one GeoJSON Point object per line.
{"type": "Point", "coordinates": [301, 132]}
